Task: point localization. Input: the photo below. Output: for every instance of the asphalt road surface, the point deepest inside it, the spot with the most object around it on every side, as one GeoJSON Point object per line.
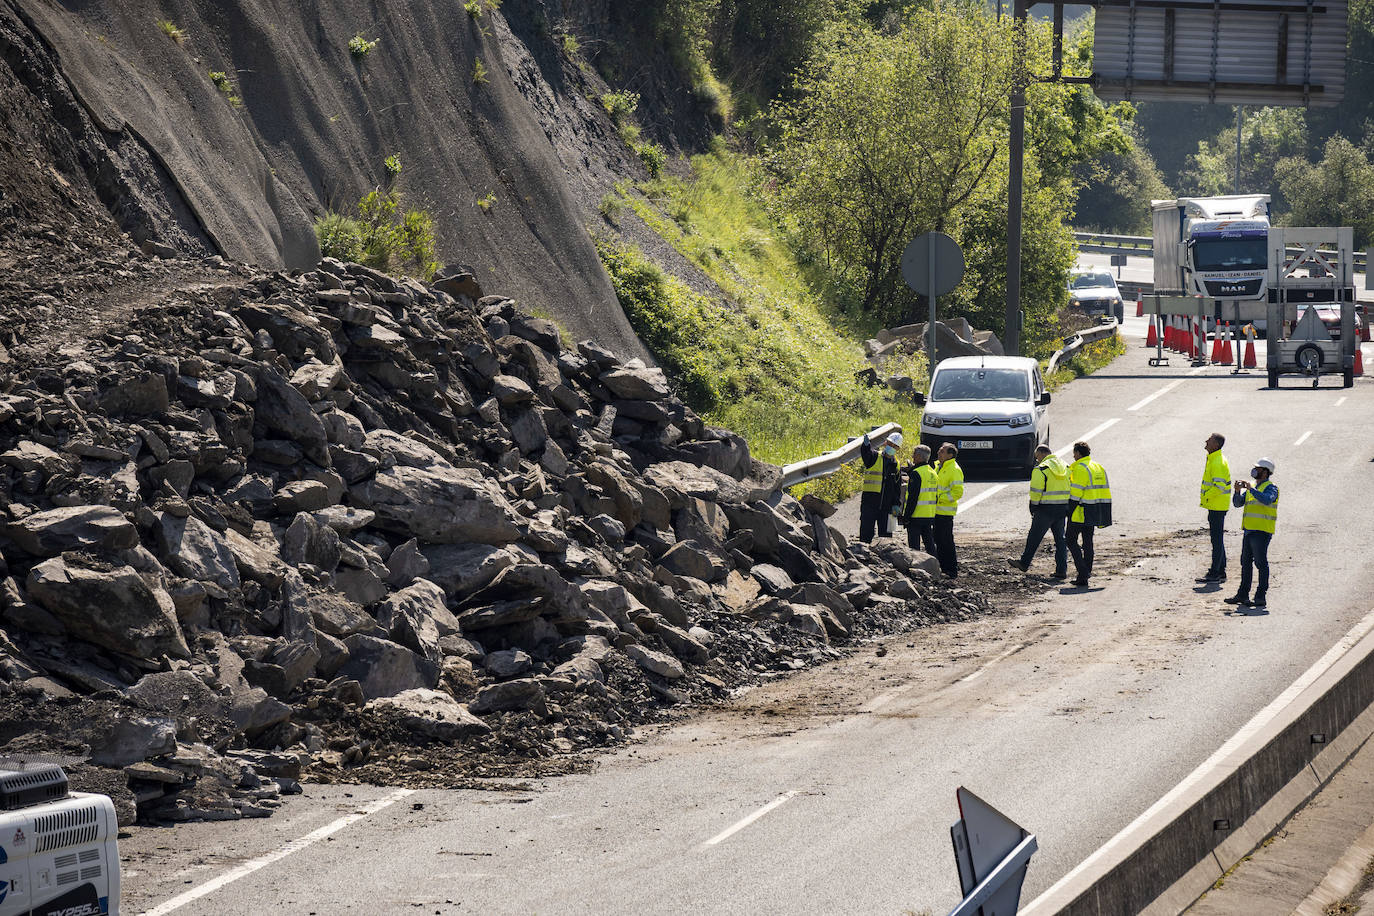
{"type": "Point", "coordinates": [833, 791]}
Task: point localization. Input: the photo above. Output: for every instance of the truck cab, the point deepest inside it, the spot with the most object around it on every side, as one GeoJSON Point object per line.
{"type": "Point", "coordinates": [1215, 247]}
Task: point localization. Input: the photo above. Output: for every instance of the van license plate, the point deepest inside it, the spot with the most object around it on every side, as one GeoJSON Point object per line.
{"type": "Point", "coordinates": [975, 443]}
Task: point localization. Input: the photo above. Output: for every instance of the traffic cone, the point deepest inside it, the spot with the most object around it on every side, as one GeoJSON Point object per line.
{"type": "Point", "coordinates": [1364, 330]}
{"type": "Point", "coordinates": [1249, 354]}
{"type": "Point", "coordinates": [1359, 361]}
{"type": "Point", "coordinates": [1140, 308]}
{"type": "Point", "coordinates": [1171, 333]}
{"type": "Point", "coordinates": [1227, 357]}
{"type": "Point", "coordinates": [1152, 338]}
{"type": "Point", "coordinates": [1216, 346]}
{"type": "Point", "coordinates": [1199, 342]}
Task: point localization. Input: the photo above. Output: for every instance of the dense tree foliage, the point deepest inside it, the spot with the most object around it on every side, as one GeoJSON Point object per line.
{"type": "Point", "coordinates": [1336, 191]}
{"type": "Point", "coordinates": [902, 129]}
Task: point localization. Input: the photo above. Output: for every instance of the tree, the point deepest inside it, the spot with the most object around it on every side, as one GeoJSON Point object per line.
{"type": "Point", "coordinates": [891, 135]}
{"type": "Point", "coordinates": [1267, 135]}
{"type": "Point", "coordinates": [1338, 191]}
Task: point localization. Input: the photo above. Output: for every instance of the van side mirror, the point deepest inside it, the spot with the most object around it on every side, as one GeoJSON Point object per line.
{"type": "Point", "coordinates": [919, 397]}
{"type": "Point", "coordinates": [1043, 400]}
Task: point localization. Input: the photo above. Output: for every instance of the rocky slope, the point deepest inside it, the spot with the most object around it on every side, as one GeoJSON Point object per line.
{"type": "Point", "coordinates": [259, 525]}
{"type": "Point", "coordinates": [298, 124]}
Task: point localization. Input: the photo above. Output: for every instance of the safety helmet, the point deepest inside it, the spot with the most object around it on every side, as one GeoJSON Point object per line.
{"type": "Point", "coordinates": [895, 438]}
{"type": "Point", "coordinates": [1266, 464]}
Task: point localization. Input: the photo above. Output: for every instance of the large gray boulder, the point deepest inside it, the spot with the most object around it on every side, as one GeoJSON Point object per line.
{"type": "Point", "coordinates": [441, 504]}
{"type": "Point", "coordinates": [461, 569]}
{"type": "Point", "coordinates": [283, 409]}
{"type": "Point", "coordinates": [431, 713]}
{"type": "Point", "coordinates": [192, 549]}
{"type": "Point", "coordinates": [416, 617]}
{"type": "Point", "coordinates": [114, 608]}
{"type": "Point", "coordinates": [46, 534]}
{"type": "Point", "coordinates": [384, 668]}
{"type": "Point", "coordinates": [634, 381]}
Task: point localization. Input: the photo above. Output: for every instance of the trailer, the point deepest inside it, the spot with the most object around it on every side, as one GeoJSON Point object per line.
{"type": "Point", "coordinates": [1311, 268]}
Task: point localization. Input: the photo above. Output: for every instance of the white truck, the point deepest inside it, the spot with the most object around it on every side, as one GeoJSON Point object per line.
{"type": "Point", "coordinates": [1215, 247]}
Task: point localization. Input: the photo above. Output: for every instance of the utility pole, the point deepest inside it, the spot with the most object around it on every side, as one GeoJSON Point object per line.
{"type": "Point", "coordinates": [1239, 110]}
{"type": "Point", "coordinates": [1011, 339]}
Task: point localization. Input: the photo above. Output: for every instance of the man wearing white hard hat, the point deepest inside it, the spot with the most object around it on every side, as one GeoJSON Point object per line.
{"type": "Point", "coordinates": [882, 486]}
{"type": "Point", "coordinates": [1261, 503]}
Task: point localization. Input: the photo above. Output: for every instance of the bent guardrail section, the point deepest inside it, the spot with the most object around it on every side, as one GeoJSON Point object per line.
{"type": "Point", "coordinates": [1075, 343]}
{"type": "Point", "coordinates": [830, 462]}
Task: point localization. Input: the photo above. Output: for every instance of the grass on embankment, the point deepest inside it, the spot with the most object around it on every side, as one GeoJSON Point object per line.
{"type": "Point", "coordinates": [771, 361]}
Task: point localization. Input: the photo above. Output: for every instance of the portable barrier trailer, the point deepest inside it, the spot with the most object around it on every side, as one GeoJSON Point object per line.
{"type": "Point", "coordinates": [58, 854]}
{"type": "Point", "coordinates": [1311, 271]}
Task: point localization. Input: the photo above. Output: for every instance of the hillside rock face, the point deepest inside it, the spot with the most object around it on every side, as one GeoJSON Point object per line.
{"type": "Point", "coordinates": [309, 520]}
{"type": "Point", "coordinates": [303, 125]}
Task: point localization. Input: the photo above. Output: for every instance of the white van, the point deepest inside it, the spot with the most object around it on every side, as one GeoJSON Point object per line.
{"type": "Point", "coordinates": [994, 408]}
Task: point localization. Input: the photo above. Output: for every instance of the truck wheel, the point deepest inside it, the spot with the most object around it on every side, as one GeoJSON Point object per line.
{"type": "Point", "coordinates": [1273, 378]}
{"type": "Point", "coordinates": [1348, 380]}
{"type": "Point", "coordinates": [1308, 357]}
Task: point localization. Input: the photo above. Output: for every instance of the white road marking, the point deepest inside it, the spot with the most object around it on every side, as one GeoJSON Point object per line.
{"type": "Point", "coordinates": [1302, 438]}
{"type": "Point", "coordinates": [736, 828]}
{"type": "Point", "coordinates": [1198, 371]}
{"type": "Point", "coordinates": [1261, 719]}
{"type": "Point", "coordinates": [247, 868]}
{"type": "Point", "coordinates": [1160, 393]}
{"type": "Point", "coordinates": [990, 491]}
{"type": "Point", "coordinates": [992, 661]}
{"type": "Point", "coordinates": [1340, 401]}
{"type": "Point", "coordinates": [1096, 430]}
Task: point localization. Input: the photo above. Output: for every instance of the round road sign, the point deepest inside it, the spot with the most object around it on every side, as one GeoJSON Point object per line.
{"type": "Point", "coordinates": [943, 260]}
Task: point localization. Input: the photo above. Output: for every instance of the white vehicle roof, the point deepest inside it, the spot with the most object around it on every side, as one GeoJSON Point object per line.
{"type": "Point", "coordinates": [987, 362]}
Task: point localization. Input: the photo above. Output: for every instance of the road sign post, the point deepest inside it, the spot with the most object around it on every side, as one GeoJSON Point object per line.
{"type": "Point", "coordinates": [932, 265]}
{"type": "Point", "coordinates": [991, 852]}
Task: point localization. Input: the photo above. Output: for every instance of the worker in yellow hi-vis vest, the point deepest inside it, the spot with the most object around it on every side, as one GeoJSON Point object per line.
{"type": "Point", "coordinates": [1261, 504]}
{"type": "Point", "coordinates": [1090, 508]}
{"type": "Point", "coordinates": [1216, 499]}
{"type": "Point", "coordinates": [922, 493]}
{"type": "Point", "coordinates": [1049, 509]}
{"type": "Point", "coordinates": [951, 479]}
{"type": "Point", "coordinates": [882, 486]}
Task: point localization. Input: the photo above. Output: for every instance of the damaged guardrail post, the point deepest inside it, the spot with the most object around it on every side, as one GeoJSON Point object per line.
{"type": "Point", "coordinates": [1075, 343]}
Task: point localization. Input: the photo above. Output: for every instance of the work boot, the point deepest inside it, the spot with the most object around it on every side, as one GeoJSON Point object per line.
{"type": "Point", "coordinates": [1017, 564]}
{"type": "Point", "coordinates": [1238, 600]}
{"type": "Point", "coordinates": [1080, 582]}
{"type": "Point", "coordinates": [1259, 603]}
{"type": "Point", "coordinates": [1060, 575]}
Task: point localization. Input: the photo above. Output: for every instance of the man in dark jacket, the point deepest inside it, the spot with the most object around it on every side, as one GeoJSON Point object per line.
{"type": "Point", "coordinates": [882, 486]}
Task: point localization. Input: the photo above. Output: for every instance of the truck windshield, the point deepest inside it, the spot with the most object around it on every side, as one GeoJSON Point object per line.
{"type": "Point", "coordinates": [1230, 254]}
{"type": "Point", "coordinates": [980, 385]}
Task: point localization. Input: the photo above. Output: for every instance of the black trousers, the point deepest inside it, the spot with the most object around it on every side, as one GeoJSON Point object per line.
{"type": "Point", "coordinates": [871, 516]}
{"type": "Point", "coordinates": [1216, 527]}
{"type": "Point", "coordinates": [1051, 519]}
{"type": "Point", "coordinates": [920, 534]}
{"type": "Point", "coordinates": [1254, 553]}
{"type": "Point", "coordinates": [945, 551]}
{"type": "Point", "coordinates": [1081, 547]}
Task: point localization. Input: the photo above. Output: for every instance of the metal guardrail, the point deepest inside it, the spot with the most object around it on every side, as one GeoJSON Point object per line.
{"type": "Point", "coordinates": [1075, 343]}
{"type": "Point", "coordinates": [830, 462]}
{"type": "Point", "coordinates": [1143, 246]}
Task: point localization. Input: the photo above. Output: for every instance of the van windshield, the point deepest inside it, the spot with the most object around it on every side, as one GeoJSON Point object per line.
{"type": "Point", "coordinates": [980, 385]}
{"type": "Point", "coordinates": [1091, 281]}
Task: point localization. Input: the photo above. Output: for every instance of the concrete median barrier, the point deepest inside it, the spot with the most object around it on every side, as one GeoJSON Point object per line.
{"type": "Point", "coordinates": [1169, 856]}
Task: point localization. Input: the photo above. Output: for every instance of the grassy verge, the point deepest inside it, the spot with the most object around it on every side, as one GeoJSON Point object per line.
{"type": "Point", "coordinates": [771, 361]}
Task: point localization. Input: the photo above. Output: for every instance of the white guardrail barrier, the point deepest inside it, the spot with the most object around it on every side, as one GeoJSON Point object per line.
{"type": "Point", "coordinates": [830, 462]}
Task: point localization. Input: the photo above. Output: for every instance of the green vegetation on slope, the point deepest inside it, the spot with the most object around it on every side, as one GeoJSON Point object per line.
{"type": "Point", "coordinates": [772, 363]}
{"type": "Point", "coordinates": [384, 235]}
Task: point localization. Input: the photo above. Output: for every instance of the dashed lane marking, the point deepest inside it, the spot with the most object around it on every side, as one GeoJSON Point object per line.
{"type": "Point", "coordinates": [1302, 438]}
{"type": "Point", "coordinates": [1095, 431]}
{"type": "Point", "coordinates": [247, 868]}
{"type": "Point", "coordinates": [990, 491]}
{"type": "Point", "coordinates": [1340, 401]}
{"type": "Point", "coordinates": [1160, 393]}
{"type": "Point", "coordinates": [992, 661]}
{"type": "Point", "coordinates": [737, 827]}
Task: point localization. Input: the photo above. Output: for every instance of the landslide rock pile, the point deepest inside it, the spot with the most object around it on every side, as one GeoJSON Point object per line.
{"type": "Point", "coordinates": [344, 525]}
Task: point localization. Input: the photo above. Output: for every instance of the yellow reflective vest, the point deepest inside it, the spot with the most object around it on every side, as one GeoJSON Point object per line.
{"type": "Point", "coordinates": [1216, 483]}
{"type": "Point", "coordinates": [1049, 484]}
{"type": "Point", "coordinates": [923, 492]}
{"type": "Point", "coordinates": [951, 480]}
{"type": "Point", "coordinates": [1258, 516]}
{"type": "Point", "coordinates": [1088, 487]}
